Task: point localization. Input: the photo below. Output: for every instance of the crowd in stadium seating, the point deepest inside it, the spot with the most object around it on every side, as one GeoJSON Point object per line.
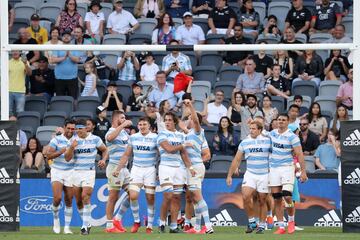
{"type": "Point", "coordinates": [228, 88]}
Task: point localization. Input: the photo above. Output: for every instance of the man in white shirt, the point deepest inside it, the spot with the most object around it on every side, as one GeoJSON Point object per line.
{"type": "Point", "coordinates": [189, 33]}
{"type": "Point", "coordinates": [149, 69]}
{"type": "Point", "coordinates": [121, 21]}
{"type": "Point", "coordinates": [216, 109]}
{"type": "Point", "coordinates": [94, 20]}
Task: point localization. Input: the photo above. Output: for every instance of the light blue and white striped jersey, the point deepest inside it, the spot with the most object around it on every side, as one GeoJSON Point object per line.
{"type": "Point", "coordinates": [174, 138]}
{"type": "Point", "coordinates": [85, 152]}
{"type": "Point", "coordinates": [282, 147]}
{"type": "Point", "coordinates": [199, 143]}
{"type": "Point", "coordinates": [118, 146]}
{"type": "Point", "coordinates": [58, 143]}
{"type": "Point", "coordinates": [144, 149]}
{"type": "Point", "coordinates": [257, 151]}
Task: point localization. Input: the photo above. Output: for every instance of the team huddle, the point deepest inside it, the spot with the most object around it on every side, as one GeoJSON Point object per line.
{"type": "Point", "coordinates": [269, 157]}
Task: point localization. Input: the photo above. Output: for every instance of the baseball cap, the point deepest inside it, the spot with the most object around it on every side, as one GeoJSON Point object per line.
{"type": "Point", "coordinates": [35, 17]}
{"type": "Point", "coordinates": [136, 85]}
{"type": "Point", "coordinates": [118, 1]}
{"type": "Point", "coordinates": [186, 14]}
{"type": "Point", "coordinates": [112, 84]}
{"type": "Point", "coordinates": [67, 31]}
{"type": "Point", "coordinates": [43, 59]}
{"type": "Point", "coordinates": [100, 109]}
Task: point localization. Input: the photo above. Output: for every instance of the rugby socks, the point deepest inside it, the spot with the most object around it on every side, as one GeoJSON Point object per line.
{"type": "Point", "coordinates": [173, 225]}
{"type": "Point", "coordinates": [187, 221]}
{"type": "Point", "coordinates": [55, 212]}
{"type": "Point", "coordinates": [135, 210]}
{"type": "Point", "coordinates": [257, 220]}
{"type": "Point", "coordinates": [281, 225]}
{"type": "Point", "coordinates": [291, 218]}
{"type": "Point", "coordinates": [124, 205]}
{"type": "Point", "coordinates": [151, 213]}
{"type": "Point", "coordinates": [252, 220]}
{"type": "Point", "coordinates": [109, 223]}
{"type": "Point", "coordinates": [179, 215]}
{"type": "Point", "coordinates": [201, 209]}
{"type": "Point", "coordinates": [269, 213]}
{"type": "Point", "coordinates": [68, 215]}
{"type": "Point", "coordinates": [86, 215]}
{"type": "Point", "coordinates": [81, 212]}
{"type": "Point", "coordinates": [161, 222]}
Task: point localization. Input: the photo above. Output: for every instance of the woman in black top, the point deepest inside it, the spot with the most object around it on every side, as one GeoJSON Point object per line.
{"type": "Point", "coordinates": [309, 67]}
{"type": "Point", "coordinates": [33, 157]}
{"type": "Point", "coordinates": [336, 66]}
{"type": "Point", "coordinates": [237, 100]}
{"type": "Point", "coordinates": [225, 142]}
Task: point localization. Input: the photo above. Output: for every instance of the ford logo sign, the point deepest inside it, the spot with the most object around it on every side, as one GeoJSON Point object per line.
{"type": "Point", "coordinates": [37, 204]}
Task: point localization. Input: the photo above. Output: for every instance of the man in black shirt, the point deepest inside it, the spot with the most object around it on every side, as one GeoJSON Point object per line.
{"type": "Point", "coordinates": [102, 124]}
{"type": "Point", "coordinates": [237, 58]}
{"type": "Point", "coordinates": [289, 38]}
{"type": "Point", "coordinates": [132, 105]}
{"type": "Point", "coordinates": [25, 38]}
{"type": "Point", "coordinates": [263, 62]}
{"type": "Point", "coordinates": [202, 8]}
{"type": "Point", "coordinates": [42, 79]}
{"type": "Point", "coordinates": [326, 16]}
{"type": "Point", "coordinates": [309, 140]}
{"type": "Point", "coordinates": [112, 100]}
{"type": "Point", "coordinates": [222, 19]}
{"type": "Point", "coordinates": [298, 17]}
{"type": "Point", "coordinates": [277, 85]}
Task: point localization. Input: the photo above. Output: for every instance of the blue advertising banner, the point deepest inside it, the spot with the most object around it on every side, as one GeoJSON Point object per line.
{"type": "Point", "coordinates": [318, 206]}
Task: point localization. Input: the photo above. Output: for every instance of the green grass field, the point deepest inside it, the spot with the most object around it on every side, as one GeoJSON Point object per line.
{"type": "Point", "coordinates": [231, 233]}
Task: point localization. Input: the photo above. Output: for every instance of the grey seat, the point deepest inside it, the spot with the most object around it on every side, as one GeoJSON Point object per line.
{"type": "Point", "coordinates": [139, 38]}
{"type": "Point", "coordinates": [147, 25]}
{"type": "Point", "coordinates": [211, 59]}
{"type": "Point", "coordinates": [278, 102]}
{"type": "Point", "coordinates": [81, 115]}
{"type": "Point", "coordinates": [328, 115]}
{"type": "Point", "coordinates": [319, 37]}
{"type": "Point", "coordinates": [220, 163]}
{"type": "Point", "coordinates": [101, 89]}
{"type": "Point", "coordinates": [111, 59]}
{"type": "Point", "coordinates": [45, 134]}
{"type": "Point", "coordinates": [226, 86]}
{"type": "Point", "coordinates": [193, 58]}
{"type": "Point", "coordinates": [199, 105]}
{"type": "Point", "coordinates": [329, 88]}
{"type": "Point", "coordinates": [177, 22]}
{"type": "Point", "coordinates": [107, 9]}
{"type": "Point", "coordinates": [260, 7]}
{"type": "Point", "coordinates": [229, 73]}
{"type": "Point", "coordinates": [62, 103]}
{"type": "Point", "coordinates": [30, 119]}
{"type": "Point", "coordinates": [125, 89]}
{"type": "Point", "coordinates": [269, 39]}
{"type": "Point", "coordinates": [134, 116]}
{"type": "Point", "coordinates": [310, 164]}
{"type": "Point", "coordinates": [207, 73]}
{"type": "Point", "coordinates": [54, 118]}
{"type": "Point", "coordinates": [19, 23]}
{"type": "Point", "coordinates": [82, 9]}
{"type": "Point", "coordinates": [37, 104]}
{"type": "Point", "coordinates": [214, 38]}
{"type": "Point", "coordinates": [88, 104]}
{"type": "Point", "coordinates": [159, 56]}
{"type": "Point", "coordinates": [200, 90]}
{"type": "Point", "coordinates": [348, 22]}
{"type": "Point", "coordinates": [280, 10]}
{"type": "Point", "coordinates": [24, 9]}
{"type": "Point", "coordinates": [117, 39]}
{"type": "Point", "coordinates": [29, 132]}
{"type": "Point", "coordinates": [301, 37]}
{"type": "Point", "coordinates": [209, 133]}
{"type": "Point", "coordinates": [305, 88]}
{"type": "Point", "coordinates": [50, 10]}
{"type": "Point", "coordinates": [203, 23]}
{"type": "Point", "coordinates": [327, 103]}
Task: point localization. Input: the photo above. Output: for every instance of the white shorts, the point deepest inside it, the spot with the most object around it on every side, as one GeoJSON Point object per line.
{"type": "Point", "coordinates": [258, 182]}
{"type": "Point", "coordinates": [194, 183]}
{"type": "Point", "coordinates": [65, 177]}
{"type": "Point", "coordinates": [180, 177]}
{"type": "Point", "coordinates": [84, 178]}
{"type": "Point", "coordinates": [280, 176]}
{"type": "Point", "coordinates": [167, 174]}
{"type": "Point", "coordinates": [116, 183]}
{"type": "Point", "coordinates": [143, 175]}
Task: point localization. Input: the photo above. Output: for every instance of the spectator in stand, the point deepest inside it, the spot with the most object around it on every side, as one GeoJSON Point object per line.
{"type": "Point", "coordinates": [25, 38]}
{"type": "Point", "coordinates": [189, 33]}
{"type": "Point", "coordinates": [341, 114]}
{"type": "Point", "coordinates": [142, 54]}
{"type": "Point", "coordinates": [327, 155]}
{"type": "Point", "coordinates": [176, 8]}
{"type": "Point", "coordinates": [127, 64]}
{"type": "Point", "coordinates": [298, 17]}
{"type": "Point", "coordinates": [303, 111]}
{"type": "Point", "coordinates": [54, 40]}
{"type": "Point", "coordinates": [286, 63]}
{"type": "Point", "coordinates": [132, 104]}
{"type": "Point", "coordinates": [277, 85]}
{"type": "Point", "coordinates": [222, 19]}
{"type": "Point", "coordinates": [338, 36]}
{"type": "Point", "coordinates": [164, 108]}
{"type": "Point", "coordinates": [149, 8]}
{"type": "Point", "coordinates": [176, 62]}
{"type": "Point", "coordinates": [90, 81]}
{"type": "Point", "coordinates": [325, 17]}
{"type": "Point", "coordinates": [318, 123]}
{"type": "Point", "coordinates": [225, 142]}
{"type": "Point", "coordinates": [309, 140]}
{"type": "Point", "coordinates": [289, 38]}
{"type": "Point", "coordinates": [90, 125]}
{"type": "Point", "coordinates": [165, 30]}
{"type": "Point", "coordinates": [165, 91]}
{"type": "Point", "coordinates": [237, 58]}
{"type": "Point", "coordinates": [293, 113]}
{"type": "Point", "coordinates": [271, 28]}
{"type": "Point", "coordinates": [18, 70]}
{"type": "Point", "coordinates": [202, 8]}
{"type": "Point", "coordinates": [270, 112]}
{"type": "Point", "coordinates": [22, 135]}
{"type": "Point", "coordinates": [345, 92]}
{"type": "Point", "coordinates": [346, 6]}
{"type": "Point", "coordinates": [37, 32]}
{"type": "Point", "coordinates": [249, 18]}
{"type": "Point", "coordinates": [42, 80]}
{"type": "Point", "coordinates": [237, 101]}
{"type": "Point", "coordinates": [69, 18]}
{"type": "Point", "coordinates": [250, 82]}
{"type": "Point", "coordinates": [336, 66]}
{"type": "Point", "coordinates": [215, 110]}
{"type": "Point", "coordinates": [95, 20]}
{"type": "Point", "coordinates": [33, 156]}
{"type": "Point", "coordinates": [149, 69]}
{"type": "Point", "coordinates": [79, 39]}
{"type": "Point", "coordinates": [309, 67]}
{"type": "Point", "coordinates": [248, 113]}
{"type": "Point", "coordinates": [151, 111]}
{"type": "Point", "coordinates": [112, 100]}
{"type": "Point", "coordinates": [66, 69]}
{"type": "Point", "coordinates": [102, 124]}
{"type": "Point", "coordinates": [121, 21]}
{"type": "Point", "coordinates": [263, 62]}
{"type": "Point", "coordinates": [273, 125]}
{"type": "Point", "coordinates": [11, 17]}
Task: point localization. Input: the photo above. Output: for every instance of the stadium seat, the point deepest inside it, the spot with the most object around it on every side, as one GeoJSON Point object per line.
{"type": "Point", "coordinates": [24, 9]}
{"type": "Point", "coordinates": [260, 7]}
{"type": "Point", "coordinates": [214, 38]}
{"type": "Point", "coordinates": [340, 4]}
{"type": "Point", "coordinates": [327, 103]}
{"type": "Point", "coordinates": [269, 39]}
{"type": "Point", "coordinates": [306, 101]}
{"type": "Point", "coordinates": [280, 10]}
{"type": "Point", "coordinates": [177, 22]}
{"type": "Point", "coordinates": [50, 10]}
{"type": "Point", "coordinates": [147, 25]}
{"type": "Point", "coordinates": [199, 105]}
{"type": "Point", "coordinates": [82, 9]}
{"type": "Point", "coordinates": [88, 104]}
{"type": "Point", "coordinates": [220, 163]}
{"type": "Point", "coordinates": [110, 59]}
{"type": "Point", "coordinates": [35, 3]}
{"type": "Point", "coordinates": [319, 37]}
{"type": "Point", "coordinates": [13, 36]}
{"type": "Point", "coordinates": [101, 89]}
{"type": "Point", "coordinates": [159, 56]}
{"type": "Point", "coordinates": [200, 90]}
{"type": "Point", "coordinates": [301, 37]}
{"type": "Point", "coordinates": [146, 85]}
{"type": "Point", "coordinates": [134, 116]}
{"type": "Point", "coordinates": [203, 23]}
{"type": "Point", "coordinates": [204, 72]}
{"type": "Point", "coordinates": [329, 88]}
{"type": "Point", "coordinates": [209, 133]}
{"type": "Point", "coordinates": [305, 88]}
{"type": "Point", "coordinates": [54, 118]}
{"type": "Point", "coordinates": [19, 23]}
{"type": "Point", "coordinates": [211, 59]}
{"type": "Point", "coordinates": [193, 58]}
{"type": "Point", "coordinates": [62, 103]}
{"type": "Point", "coordinates": [37, 104]}
{"type": "Point", "coordinates": [46, 24]}
{"type": "Point", "coordinates": [81, 115]}
{"type": "Point", "coordinates": [348, 23]}
{"type": "Point", "coordinates": [139, 38]}
{"type": "Point", "coordinates": [29, 118]}
{"type": "Point", "coordinates": [226, 86]}
{"type": "Point", "coordinates": [277, 102]}
{"type": "Point", "coordinates": [28, 131]}
{"type": "Point", "coordinates": [328, 115]}
{"type": "Point", "coordinates": [45, 134]}
{"type": "Point", "coordinates": [114, 39]}
{"type": "Point", "coordinates": [237, 131]}
{"type": "Point", "coordinates": [125, 89]}
{"type": "Point", "coordinates": [235, 6]}
{"type": "Point", "coordinates": [309, 164]}
{"type": "Point", "coordinates": [229, 73]}
{"type": "Point", "coordinates": [129, 6]}
{"type": "Point", "coordinates": [324, 54]}
{"type": "Point", "coordinates": [107, 9]}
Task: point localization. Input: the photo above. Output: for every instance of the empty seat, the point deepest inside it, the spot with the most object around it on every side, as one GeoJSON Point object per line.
{"type": "Point", "coordinates": [207, 73]}
{"type": "Point", "coordinates": [348, 23]}
{"type": "Point", "coordinates": [62, 103]}
{"type": "Point", "coordinates": [177, 22]}
{"type": "Point", "coordinates": [107, 9]}
{"type": "Point", "coordinates": [214, 38]}
{"type": "Point", "coordinates": [147, 25]}
{"type": "Point", "coordinates": [260, 7]}
{"type": "Point", "coordinates": [220, 163]}
{"type": "Point", "coordinates": [37, 104]}
{"type": "Point", "coordinates": [203, 23]}
{"type": "Point", "coordinates": [329, 88]}
{"type": "Point", "coordinates": [88, 104]}
{"type": "Point", "coordinates": [305, 88]}
{"type": "Point", "coordinates": [328, 115]}
{"type": "Point", "coordinates": [101, 89]}
{"type": "Point", "coordinates": [306, 101]}
{"type": "Point", "coordinates": [45, 134]}
{"type": "Point", "coordinates": [278, 102]}
{"type": "Point", "coordinates": [301, 37]}
{"type": "Point", "coordinates": [30, 119]}
{"type": "Point", "coordinates": [29, 132]}
{"type": "Point", "coordinates": [81, 115]}
{"type": "Point", "coordinates": [111, 59]}
{"type": "Point", "coordinates": [327, 103]}
{"type": "Point", "coordinates": [54, 118]}
{"type": "Point", "coordinates": [19, 23]}
{"type": "Point", "coordinates": [139, 38]}
{"type": "Point", "coordinates": [229, 73]}
{"type": "Point", "coordinates": [50, 10]}
{"type": "Point", "coordinates": [350, 114]}
{"type": "Point", "coordinates": [200, 90]}
{"type": "Point", "coordinates": [134, 116]}
{"type": "Point", "coordinates": [209, 133]}
{"type": "Point", "coordinates": [280, 10]}
{"type": "Point", "coordinates": [125, 89]}
{"type": "Point", "coordinates": [226, 86]}
{"type": "Point", "coordinates": [199, 105]}
{"type": "Point", "coordinates": [114, 39]}
{"type": "Point", "coordinates": [24, 9]}
{"type": "Point", "coordinates": [12, 37]}
{"type": "Point", "coordinates": [46, 24]}
{"type": "Point", "coordinates": [269, 39]}
{"type": "Point", "coordinates": [159, 56]}
{"type": "Point", "coordinates": [82, 9]}
{"type": "Point", "coordinates": [319, 37]}
{"type": "Point", "coordinates": [211, 59]}
{"type": "Point", "coordinates": [193, 58]}
{"type": "Point", "coordinates": [129, 5]}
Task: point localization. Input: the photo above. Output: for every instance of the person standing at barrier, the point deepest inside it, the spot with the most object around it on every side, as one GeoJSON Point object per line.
{"type": "Point", "coordinates": [117, 140]}
{"type": "Point", "coordinates": [143, 147]}
{"type": "Point", "coordinates": [61, 175]}
{"type": "Point", "coordinates": [83, 149]}
{"type": "Point", "coordinates": [282, 170]}
{"type": "Point", "coordinates": [256, 149]}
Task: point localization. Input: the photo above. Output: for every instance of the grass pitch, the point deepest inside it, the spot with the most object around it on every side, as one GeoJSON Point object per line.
{"type": "Point", "coordinates": [226, 233]}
